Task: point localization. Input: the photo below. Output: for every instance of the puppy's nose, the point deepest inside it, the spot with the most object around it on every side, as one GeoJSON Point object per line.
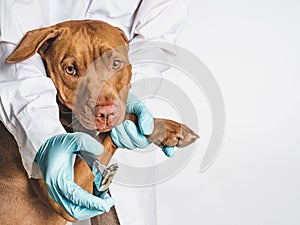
{"type": "Point", "coordinates": [105, 116]}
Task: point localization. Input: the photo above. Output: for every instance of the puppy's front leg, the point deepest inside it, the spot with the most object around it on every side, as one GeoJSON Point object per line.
{"type": "Point", "coordinates": [168, 132]}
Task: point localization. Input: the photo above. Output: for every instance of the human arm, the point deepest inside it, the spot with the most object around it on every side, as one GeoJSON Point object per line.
{"type": "Point", "coordinates": [28, 105]}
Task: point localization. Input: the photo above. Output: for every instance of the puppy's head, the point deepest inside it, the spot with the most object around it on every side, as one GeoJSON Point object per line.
{"type": "Point", "coordinates": [88, 63]}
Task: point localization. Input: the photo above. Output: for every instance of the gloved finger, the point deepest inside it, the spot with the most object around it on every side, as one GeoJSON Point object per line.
{"type": "Point", "coordinates": [97, 176]}
{"type": "Point", "coordinates": [87, 143]}
{"type": "Point", "coordinates": [119, 137]}
{"type": "Point", "coordinates": [169, 151]}
{"type": "Point", "coordinates": [145, 119]}
{"type": "Point", "coordinates": [146, 123]}
{"type": "Point", "coordinates": [82, 213]}
{"type": "Point", "coordinates": [134, 135]}
{"type": "Point", "coordinates": [127, 135]}
{"type": "Point", "coordinates": [105, 195]}
{"type": "Point", "coordinates": [76, 195]}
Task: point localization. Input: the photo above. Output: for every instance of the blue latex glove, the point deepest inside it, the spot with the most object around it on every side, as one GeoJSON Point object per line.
{"type": "Point", "coordinates": [169, 151]}
{"type": "Point", "coordinates": [56, 159]}
{"type": "Point", "coordinates": [127, 135]}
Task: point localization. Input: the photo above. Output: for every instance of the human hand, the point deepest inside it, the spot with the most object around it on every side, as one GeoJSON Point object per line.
{"type": "Point", "coordinates": [128, 135]}
{"type": "Point", "coordinates": [56, 159]}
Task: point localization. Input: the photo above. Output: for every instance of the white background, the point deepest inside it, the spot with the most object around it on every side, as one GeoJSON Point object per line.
{"type": "Point", "coordinates": [253, 50]}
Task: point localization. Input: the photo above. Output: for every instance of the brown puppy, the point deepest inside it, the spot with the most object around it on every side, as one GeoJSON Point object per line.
{"type": "Point", "coordinates": [74, 52]}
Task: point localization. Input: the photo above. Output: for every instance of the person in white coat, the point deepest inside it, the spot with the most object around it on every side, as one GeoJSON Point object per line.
{"type": "Point", "coordinates": [33, 95]}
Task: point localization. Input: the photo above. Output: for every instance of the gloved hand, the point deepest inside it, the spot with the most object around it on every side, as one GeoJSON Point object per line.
{"type": "Point", "coordinates": [127, 135]}
{"type": "Point", "coordinates": [56, 159]}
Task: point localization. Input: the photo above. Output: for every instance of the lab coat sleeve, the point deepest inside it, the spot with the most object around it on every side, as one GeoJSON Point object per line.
{"type": "Point", "coordinates": [159, 21]}
{"type": "Point", "coordinates": [28, 105]}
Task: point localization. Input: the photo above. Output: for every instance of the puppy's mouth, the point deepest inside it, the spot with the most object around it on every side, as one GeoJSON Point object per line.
{"type": "Point", "coordinates": [102, 117]}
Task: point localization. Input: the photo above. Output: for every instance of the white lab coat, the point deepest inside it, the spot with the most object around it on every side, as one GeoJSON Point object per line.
{"type": "Point", "coordinates": [27, 97]}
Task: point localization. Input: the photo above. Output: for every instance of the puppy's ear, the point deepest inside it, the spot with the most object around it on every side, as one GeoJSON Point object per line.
{"type": "Point", "coordinates": [123, 35]}
{"type": "Point", "coordinates": [31, 43]}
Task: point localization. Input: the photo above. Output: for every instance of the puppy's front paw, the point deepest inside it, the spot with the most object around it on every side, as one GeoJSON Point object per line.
{"type": "Point", "coordinates": [170, 133]}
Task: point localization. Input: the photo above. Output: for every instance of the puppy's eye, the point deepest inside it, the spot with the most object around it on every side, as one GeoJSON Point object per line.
{"type": "Point", "coordinates": [116, 64]}
{"type": "Point", "coordinates": [71, 70]}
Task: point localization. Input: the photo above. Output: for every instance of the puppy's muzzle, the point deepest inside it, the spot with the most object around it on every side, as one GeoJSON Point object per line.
{"type": "Point", "coordinates": [107, 116]}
